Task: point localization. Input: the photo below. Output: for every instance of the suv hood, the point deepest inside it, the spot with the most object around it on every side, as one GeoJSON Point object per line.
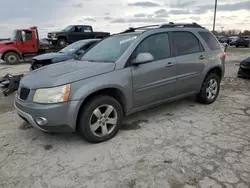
{"type": "Point", "coordinates": [6, 42]}
{"type": "Point", "coordinates": [63, 73]}
{"type": "Point", "coordinates": [50, 56]}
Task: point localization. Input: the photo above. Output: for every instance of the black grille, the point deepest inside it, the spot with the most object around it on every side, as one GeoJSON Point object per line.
{"type": "Point", "coordinates": [24, 93]}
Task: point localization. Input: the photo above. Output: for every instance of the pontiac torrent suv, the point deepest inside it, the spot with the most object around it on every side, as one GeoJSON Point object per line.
{"type": "Point", "coordinates": [122, 74]}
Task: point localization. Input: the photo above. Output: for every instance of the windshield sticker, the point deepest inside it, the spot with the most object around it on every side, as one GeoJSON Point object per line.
{"type": "Point", "coordinates": [127, 40]}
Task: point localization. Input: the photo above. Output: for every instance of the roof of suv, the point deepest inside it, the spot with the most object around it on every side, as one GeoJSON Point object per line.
{"type": "Point", "coordinates": [169, 25]}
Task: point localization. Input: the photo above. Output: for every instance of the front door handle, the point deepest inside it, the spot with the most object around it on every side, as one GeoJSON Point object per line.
{"type": "Point", "coordinates": [169, 64]}
{"type": "Point", "coordinates": [202, 57]}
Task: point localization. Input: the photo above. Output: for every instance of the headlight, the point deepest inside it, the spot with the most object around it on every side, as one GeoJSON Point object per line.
{"type": "Point", "coordinates": [53, 35]}
{"type": "Point", "coordinates": [52, 95]}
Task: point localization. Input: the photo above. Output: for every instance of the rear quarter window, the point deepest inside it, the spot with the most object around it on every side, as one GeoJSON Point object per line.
{"type": "Point", "coordinates": [211, 41]}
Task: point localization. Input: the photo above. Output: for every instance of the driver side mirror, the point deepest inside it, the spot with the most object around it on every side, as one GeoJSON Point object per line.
{"type": "Point", "coordinates": [80, 52]}
{"type": "Point", "coordinates": [77, 54]}
{"type": "Point", "coordinates": [142, 58]}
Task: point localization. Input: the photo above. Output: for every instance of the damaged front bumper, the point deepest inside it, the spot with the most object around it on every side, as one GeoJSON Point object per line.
{"type": "Point", "coordinates": [244, 71]}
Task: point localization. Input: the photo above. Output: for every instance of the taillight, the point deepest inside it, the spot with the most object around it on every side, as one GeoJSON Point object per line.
{"type": "Point", "coordinates": [224, 55]}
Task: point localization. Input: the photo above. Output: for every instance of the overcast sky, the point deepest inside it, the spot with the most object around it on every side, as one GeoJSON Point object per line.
{"type": "Point", "coordinates": [117, 15]}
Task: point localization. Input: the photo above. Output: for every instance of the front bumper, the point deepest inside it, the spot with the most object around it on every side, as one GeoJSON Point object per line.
{"type": "Point", "coordinates": [244, 72]}
{"type": "Point", "coordinates": [60, 117]}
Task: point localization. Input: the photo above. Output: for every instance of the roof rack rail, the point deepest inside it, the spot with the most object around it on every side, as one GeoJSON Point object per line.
{"type": "Point", "coordinates": [172, 24]}
{"type": "Point", "coordinates": [167, 25]}
{"type": "Point", "coordinates": [132, 29]}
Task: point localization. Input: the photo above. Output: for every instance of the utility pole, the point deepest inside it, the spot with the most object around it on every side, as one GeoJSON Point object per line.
{"type": "Point", "coordinates": [215, 10]}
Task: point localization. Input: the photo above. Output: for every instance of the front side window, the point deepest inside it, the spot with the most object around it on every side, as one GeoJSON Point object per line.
{"type": "Point", "coordinates": [186, 43]}
{"type": "Point", "coordinates": [110, 49]}
{"type": "Point", "coordinates": [157, 45]}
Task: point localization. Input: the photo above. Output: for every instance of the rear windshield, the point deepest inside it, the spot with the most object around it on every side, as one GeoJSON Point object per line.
{"type": "Point", "coordinates": [211, 41]}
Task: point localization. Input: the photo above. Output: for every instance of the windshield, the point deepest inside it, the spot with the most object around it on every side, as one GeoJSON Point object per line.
{"type": "Point", "coordinates": [110, 49]}
{"type": "Point", "coordinates": [68, 28]}
{"type": "Point", "coordinates": [73, 47]}
{"type": "Point", "coordinates": [14, 35]}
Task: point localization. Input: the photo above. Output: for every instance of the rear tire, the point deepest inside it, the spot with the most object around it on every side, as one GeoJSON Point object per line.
{"type": "Point", "coordinates": [100, 119]}
{"type": "Point", "coordinates": [210, 89]}
{"type": "Point", "coordinates": [12, 58]}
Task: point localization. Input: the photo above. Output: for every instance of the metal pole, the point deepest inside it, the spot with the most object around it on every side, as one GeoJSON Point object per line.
{"type": "Point", "coordinates": [215, 10]}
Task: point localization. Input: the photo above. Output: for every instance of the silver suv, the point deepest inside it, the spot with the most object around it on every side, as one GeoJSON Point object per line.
{"type": "Point", "coordinates": [122, 74]}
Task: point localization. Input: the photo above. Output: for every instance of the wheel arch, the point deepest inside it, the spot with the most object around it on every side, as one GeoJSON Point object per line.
{"type": "Point", "coordinates": [108, 91]}
{"type": "Point", "coordinates": [217, 70]}
{"type": "Point", "coordinates": [63, 37]}
{"type": "Point", "coordinates": [13, 51]}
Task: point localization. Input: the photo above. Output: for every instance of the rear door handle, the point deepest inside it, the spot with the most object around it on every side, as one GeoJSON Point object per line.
{"type": "Point", "coordinates": [169, 64]}
{"type": "Point", "coordinates": [202, 57]}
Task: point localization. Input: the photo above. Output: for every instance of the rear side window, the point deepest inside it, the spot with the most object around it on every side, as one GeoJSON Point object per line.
{"type": "Point", "coordinates": [210, 40]}
{"type": "Point", "coordinates": [157, 45]}
{"type": "Point", "coordinates": [186, 43]}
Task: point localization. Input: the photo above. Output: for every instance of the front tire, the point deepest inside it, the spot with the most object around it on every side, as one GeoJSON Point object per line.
{"type": "Point", "coordinates": [12, 58]}
{"type": "Point", "coordinates": [100, 119]}
{"type": "Point", "coordinates": [61, 42]}
{"type": "Point", "coordinates": [210, 89]}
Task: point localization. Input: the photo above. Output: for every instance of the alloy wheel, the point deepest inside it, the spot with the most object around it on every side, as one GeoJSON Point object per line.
{"type": "Point", "coordinates": [212, 89]}
{"type": "Point", "coordinates": [103, 120]}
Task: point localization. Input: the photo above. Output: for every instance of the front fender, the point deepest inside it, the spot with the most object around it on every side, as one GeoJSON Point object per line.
{"type": "Point", "coordinates": [63, 36]}
{"type": "Point", "coordinates": [10, 49]}
{"type": "Point", "coordinates": [120, 79]}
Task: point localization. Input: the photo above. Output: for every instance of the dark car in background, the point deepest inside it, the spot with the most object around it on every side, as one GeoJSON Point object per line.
{"type": "Point", "coordinates": [72, 51]}
{"type": "Point", "coordinates": [232, 40]}
{"type": "Point", "coordinates": [45, 44]}
{"type": "Point", "coordinates": [243, 41]}
{"type": "Point", "coordinates": [222, 39]}
{"type": "Point", "coordinates": [73, 33]}
{"type": "Point", "coordinates": [244, 69]}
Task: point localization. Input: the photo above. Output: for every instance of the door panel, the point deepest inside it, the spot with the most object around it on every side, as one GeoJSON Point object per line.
{"type": "Point", "coordinates": [154, 81]}
{"type": "Point", "coordinates": [27, 42]}
{"type": "Point", "coordinates": [190, 61]}
{"type": "Point", "coordinates": [189, 69]}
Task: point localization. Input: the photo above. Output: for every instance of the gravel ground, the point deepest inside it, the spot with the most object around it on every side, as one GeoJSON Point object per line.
{"type": "Point", "coordinates": [178, 145]}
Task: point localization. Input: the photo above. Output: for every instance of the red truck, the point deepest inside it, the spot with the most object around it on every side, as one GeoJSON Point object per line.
{"type": "Point", "coordinates": [22, 44]}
